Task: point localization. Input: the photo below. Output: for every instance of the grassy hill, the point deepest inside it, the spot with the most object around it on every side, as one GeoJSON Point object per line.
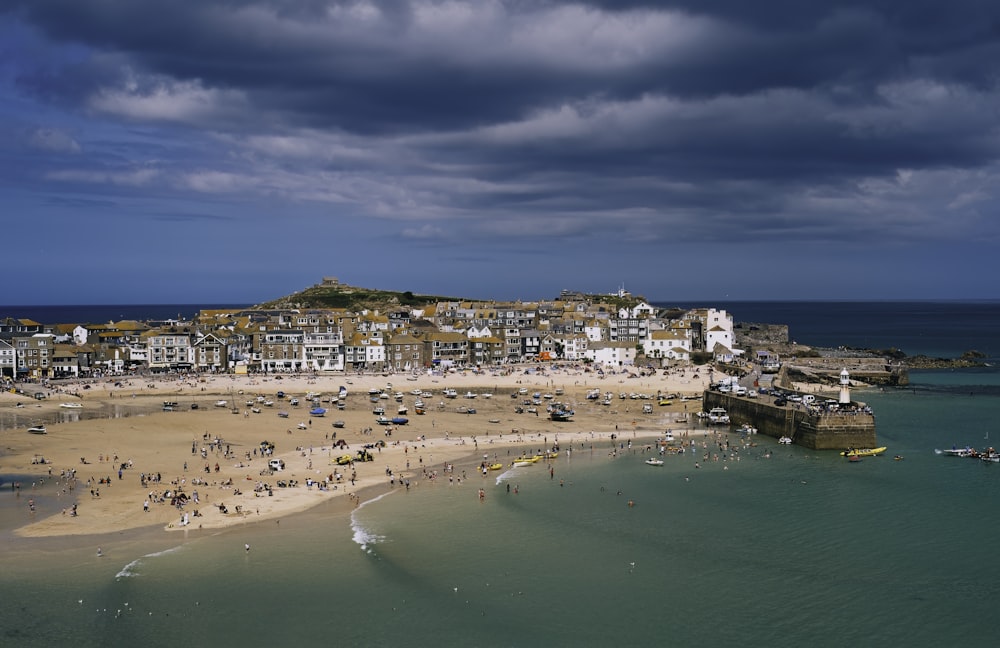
{"type": "Point", "coordinates": [353, 298]}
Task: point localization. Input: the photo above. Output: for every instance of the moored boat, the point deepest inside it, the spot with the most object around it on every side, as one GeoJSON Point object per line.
{"type": "Point", "coordinates": [37, 429]}
{"type": "Point", "coordinates": [71, 405]}
{"type": "Point", "coordinates": [863, 452]}
{"type": "Point", "coordinates": [718, 416]}
{"type": "Point", "coordinates": [653, 461]}
{"type": "Point", "coordinates": [317, 411]}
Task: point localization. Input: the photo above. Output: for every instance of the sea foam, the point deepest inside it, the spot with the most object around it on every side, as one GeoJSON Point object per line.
{"type": "Point", "coordinates": [362, 536]}
{"type": "Point", "coordinates": [131, 569]}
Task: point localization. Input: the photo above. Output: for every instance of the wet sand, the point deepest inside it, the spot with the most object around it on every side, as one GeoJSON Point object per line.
{"type": "Point", "coordinates": [110, 467]}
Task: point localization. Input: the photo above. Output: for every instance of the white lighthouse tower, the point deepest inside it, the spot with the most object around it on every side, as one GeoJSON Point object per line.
{"type": "Point", "coordinates": [845, 388]}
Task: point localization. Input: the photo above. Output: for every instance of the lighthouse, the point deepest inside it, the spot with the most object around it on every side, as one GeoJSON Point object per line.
{"type": "Point", "coordinates": [845, 388]}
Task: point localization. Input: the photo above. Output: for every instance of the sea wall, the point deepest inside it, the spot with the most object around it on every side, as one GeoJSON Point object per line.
{"type": "Point", "coordinates": [826, 431]}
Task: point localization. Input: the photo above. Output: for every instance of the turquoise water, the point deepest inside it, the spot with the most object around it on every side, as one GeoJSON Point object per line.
{"type": "Point", "coordinates": [793, 548]}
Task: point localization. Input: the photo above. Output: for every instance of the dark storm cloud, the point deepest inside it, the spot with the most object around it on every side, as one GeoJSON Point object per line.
{"type": "Point", "coordinates": [657, 122]}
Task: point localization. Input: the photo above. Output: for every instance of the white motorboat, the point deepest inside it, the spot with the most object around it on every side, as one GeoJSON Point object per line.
{"type": "Point", "coordinates": [653, 461]}
{"type": "Point", "coordinates": [37, 429]}
{"type": "Point", "coordinates": [718, 416]}
{"type": "Point", "coordinates": [71, 405]}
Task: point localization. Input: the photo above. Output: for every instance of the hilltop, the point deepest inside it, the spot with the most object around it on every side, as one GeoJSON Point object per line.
{"type": "Point", "coordinates": [333, 294]}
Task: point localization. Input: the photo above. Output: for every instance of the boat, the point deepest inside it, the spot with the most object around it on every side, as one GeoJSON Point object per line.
{"type": "Point", "coordinates": [37, 429]}
{"type": "Point", "coordinates": [382, 420]}
{"type": "Point", "coordinates": [450, 393]}
{"type": "Point", "coordinates": [495, 466]}
{"type": "Point", "coordinates": [342, 394]}
{"type": "Point", "coordinates": [220, 403]}
{"type": "Point", "coordinates": [863, 452]}
{"type": "Point", "coordinates": [400, 420]}
{"type": "Point", "coordinates": [338, 424]}
{"type": "Point", "coordinates": [283, 414]}
{"type": "Point", "coordinates": [255, 409]}
{"type": "Point", "coordinates": [958, 452]}
{"type": "Point", "coordinates": [71, 405]}
{"type": "Point", "coordinates": [317, 411]}
{"type": "Point", "coordinates": [653, 461]}
{"type": "Point", "coordinates": [293, 402]}
{"type": "Point", "coordinates": [718, 416]}
{"type": "Point", "coordinates": [401, 410]}
{"type": "Point", "coordinates": [746, 428]}
{"type": "Point", "coordinates": [785, 440]}
{"type": "Point", "coordinates": [560, 414]}
{"type": "Point", "coordinates": [526, 461]}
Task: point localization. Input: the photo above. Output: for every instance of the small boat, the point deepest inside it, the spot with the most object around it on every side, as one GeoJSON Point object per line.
{"type": "Point", "coordinates": [785, 440]}
{"type": "Point", "coordinates": [317, 411]}
{"type": "Point", "coordinates": [342, 394]}
{"type": "Point", "coordinates": [338, 424]}
{"type": "Point", "coordinates": [560, 414]}
{"type": "Point", "coordinates": [220, 403]}
{"type": "Point", "coordinates": [401, 409]}
{"type": "Point", "coordinates": [653, 461]}
{"type": "Point", "coordinates": [255, 409]}
{"type": "Point", "coordinates": [526, 461]}
{"type": "Point", "coordinates": [302, 426]}
{"type": "Point", "coordinates": [990, 455]}
{"type": "Point", "coordinates": [70, 405]}
{"type": "Point", "coordinates": [495, 466]}
{"type": "Point", "coordinates": [400, 420]}
{"type": "Point", "coordinates": [37, 429]}
{"type": "Point", "coordinates": [382, 420]}
{"type": "Point", "coordinates": [283, 414]}
{"type": "Point", "coordinates": [863, 452]}
{"type": "Point", "coordinates": [293, 402]}
{"type": "Point", "coordinates": [958, 452]}
{"type": "Point", "coordinates": [718, 416]}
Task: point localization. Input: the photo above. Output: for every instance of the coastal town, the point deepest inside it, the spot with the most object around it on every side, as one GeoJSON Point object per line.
{"type": "Point", "coordinates": [320, 394]}
{"type": "Point", "coordinates": [611, 333]}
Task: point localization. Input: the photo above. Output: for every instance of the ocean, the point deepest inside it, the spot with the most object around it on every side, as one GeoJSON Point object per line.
{"type": "Point", "coordinates": [782, 547]}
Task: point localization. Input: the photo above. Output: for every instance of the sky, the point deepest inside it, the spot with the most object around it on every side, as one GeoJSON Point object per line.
{"type": "Point", "coordinates": [231, 151]}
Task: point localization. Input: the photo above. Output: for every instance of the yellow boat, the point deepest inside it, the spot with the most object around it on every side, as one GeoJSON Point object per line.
{"type": "Point", "coordinates": [495, 466]}
{"type": "Point", "coordinates": [863, 452]}
{"type": "Point", "coordinates": [524, 461]}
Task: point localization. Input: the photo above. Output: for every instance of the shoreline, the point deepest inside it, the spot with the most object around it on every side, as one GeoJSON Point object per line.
{"type": "Point", "coordinates": [118, 462]}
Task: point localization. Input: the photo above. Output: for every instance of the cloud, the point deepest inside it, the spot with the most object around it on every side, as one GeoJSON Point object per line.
{"type": "Point", "coordinates": [536, 124]}
{"type": "Point", "coordinates": [53, 140]}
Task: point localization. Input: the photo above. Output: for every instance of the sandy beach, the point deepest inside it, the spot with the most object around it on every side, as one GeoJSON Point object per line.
{"type": "Point", "coordinates": [204, 468]}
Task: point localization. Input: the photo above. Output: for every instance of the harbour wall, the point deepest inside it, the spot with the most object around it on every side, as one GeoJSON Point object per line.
{"type": "Point", "coordinates": [819, 431]}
